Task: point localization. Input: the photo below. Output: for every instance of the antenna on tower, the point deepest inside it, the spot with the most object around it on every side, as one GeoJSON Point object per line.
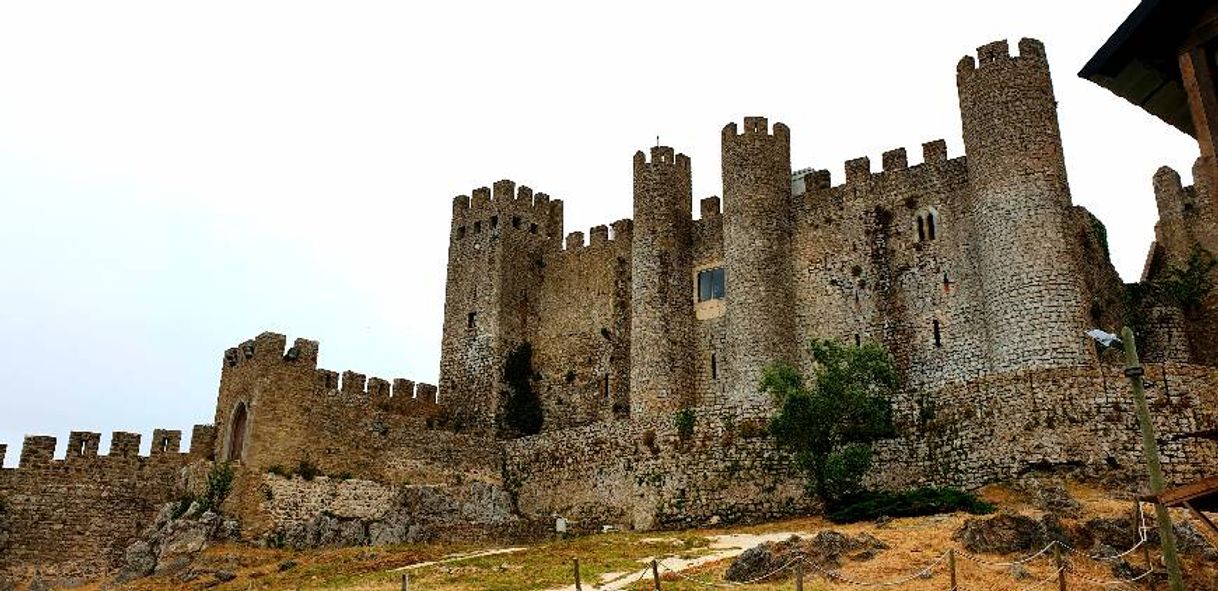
{"type": "Point", "coordinates": [657, 141]}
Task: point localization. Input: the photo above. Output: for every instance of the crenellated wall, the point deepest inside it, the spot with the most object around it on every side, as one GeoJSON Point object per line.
{"type": "Point", "coordinates": [72, 518]}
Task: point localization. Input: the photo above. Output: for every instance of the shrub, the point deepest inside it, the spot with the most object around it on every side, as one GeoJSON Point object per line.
{"type": "Point", "coordinates": [522, 413]}
{"type": "Point", "coordinates": [908, 503]}
{"type": "Point", "coordinates": [279, 470]}
{"type": "Point", "coordinates": [307, 470]}
{"type": "Point", "coordinates": [685, 421]}
{"type": "Point", "coordinates": [830, 427]}
{"type": "Point", "coordinates": [218, 484]}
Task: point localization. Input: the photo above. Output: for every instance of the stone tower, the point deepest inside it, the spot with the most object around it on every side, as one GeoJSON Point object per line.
{"type": "Point", "coordinates": [757, 258]}
{"type": "Point", "coordinates": [661, 304]}
{"type": "Point", "coordinates": [495, 252]}
{"type": "Point", "coordinates": [1034, 305]}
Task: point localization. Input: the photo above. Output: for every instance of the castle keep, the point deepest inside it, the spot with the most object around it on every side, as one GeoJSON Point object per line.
{"type": "Point", "coordinates": [976, 272]}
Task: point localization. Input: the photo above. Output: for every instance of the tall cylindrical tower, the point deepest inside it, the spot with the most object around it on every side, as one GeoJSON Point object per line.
{"type": "Point", "coordinates": [1029, 268]}
{"type": "Point", "coordinates": [757, 221]}
{"type": "Point", "coordinates": [661, 299]}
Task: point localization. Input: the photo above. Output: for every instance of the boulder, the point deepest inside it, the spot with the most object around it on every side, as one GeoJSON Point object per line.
{"type": "Point", "coordinates": [1003, 533]}
{"type": "Point", "coordinates": [826, 548]}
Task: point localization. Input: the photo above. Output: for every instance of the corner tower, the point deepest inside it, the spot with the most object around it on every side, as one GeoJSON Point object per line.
{"type": "Point", "coordinates": [757, 221]}
{"type": "Point", "coordinates": [1034, 306]}
{"type": "Point", "coordinates": [496, 244]}
{"type": "Point", "coordinates": [661, 296]}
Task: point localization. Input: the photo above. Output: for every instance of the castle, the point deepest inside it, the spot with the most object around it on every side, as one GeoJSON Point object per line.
{"type": "Point", "coordinates": [976, 272]}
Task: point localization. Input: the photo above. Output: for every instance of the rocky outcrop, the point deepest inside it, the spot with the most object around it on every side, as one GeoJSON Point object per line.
{"type": "Point", "coordinates": [170, 544]}
{"type": "Point", "coordinates": [826, 549]}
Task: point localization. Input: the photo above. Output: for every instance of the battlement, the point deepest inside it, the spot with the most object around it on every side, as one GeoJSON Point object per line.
{"type": "Point", "coordinates": [502, 195]}
{"type": "Point", "coordinates": [271, 348]}
{"type": "Point", "coordinates": [400, 395]}
{"type": "Point", "coordinates": [859, 173]}
{"type": "Point", "coordinates": [709, 207]}
{"type": "Point", "coordinates": [661, 156]}
{"type": "Point", "coordinates": [602, 235]}
{"type": "Point", "coordinates": [757, 126]}
{"type": "Point", "coordinates": [38, 451]}
{"type": "Point", "coordinates": [999, 52]}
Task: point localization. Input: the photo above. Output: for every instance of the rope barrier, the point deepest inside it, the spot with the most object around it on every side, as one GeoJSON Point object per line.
{"type": "Point", "coordinates": [733, 583]}
{"type": "Point", "coordinates": [927, 570]}
{"type": "Point", "coordinates": [1022, 561]}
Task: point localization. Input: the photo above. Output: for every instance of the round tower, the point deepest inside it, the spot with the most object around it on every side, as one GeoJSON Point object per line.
{"type": "Point", "coordinates": [757, 221]}
{"type": "Point", "coordinates": [661, 299]}
{"type": "Point", "coordinates": [1029, 268]}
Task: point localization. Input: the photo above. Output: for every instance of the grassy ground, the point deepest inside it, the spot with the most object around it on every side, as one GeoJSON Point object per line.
{"type": "Point", "coordinates": [913, 542]}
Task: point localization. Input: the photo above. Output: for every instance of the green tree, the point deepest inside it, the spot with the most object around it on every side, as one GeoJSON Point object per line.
{"type": "Point", "coordinates": [830, 426]}
{"type": "Point", "coordinates": [522, 413]}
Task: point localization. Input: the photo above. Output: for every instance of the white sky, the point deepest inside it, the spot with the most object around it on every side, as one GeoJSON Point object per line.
{"type": "Point", "coordinates": [176, 178]}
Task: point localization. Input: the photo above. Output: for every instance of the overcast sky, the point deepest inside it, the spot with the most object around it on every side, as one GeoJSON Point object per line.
{"type": "Point", "coordinates": [177, 178]}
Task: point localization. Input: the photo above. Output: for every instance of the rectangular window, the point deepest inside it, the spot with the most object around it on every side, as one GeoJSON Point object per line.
{"type": "Point", "coordinates": [710, 284]}
{"type": "Point", "coordinates": [472, 320]}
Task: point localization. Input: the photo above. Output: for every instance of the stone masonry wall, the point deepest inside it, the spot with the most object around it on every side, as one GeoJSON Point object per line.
{"type": "Point", "coordinates": [641, 474]}
{"type": "Point", "coordinates": [71, 519]}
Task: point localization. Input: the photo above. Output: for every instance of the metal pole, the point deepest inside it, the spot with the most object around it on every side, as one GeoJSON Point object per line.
{"type": "Point", "coordinates": [1061, 566]}
{"type": "Point", "coordinates": [655, 573]}
{"type": "Point", "coordinates": [951, 564]}
{"type": "Point", "coordinates": [1167, 538]}
{"type": "Point", "coordinates": [577, 585]}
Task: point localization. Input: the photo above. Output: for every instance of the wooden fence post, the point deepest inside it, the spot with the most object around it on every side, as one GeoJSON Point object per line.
{"type": "Point", "coordinates": [577, 585]}
{"type": "Point", "coordinates": [951, 564]}
{"type": "Point", "coordinates": [1061, 566]}
{"type": "Point", "coordinates": [405, 581]}
{"type": "Point", "coordinates": [655, 573]}
{"type": "Point", "coordinates": [799, 576]}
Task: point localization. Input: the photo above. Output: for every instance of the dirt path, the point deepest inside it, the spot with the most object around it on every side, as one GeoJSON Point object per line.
{"type": "Point", "coordinates": [457, 557]}
{"type": "Point", "coordinates": [722, 546]}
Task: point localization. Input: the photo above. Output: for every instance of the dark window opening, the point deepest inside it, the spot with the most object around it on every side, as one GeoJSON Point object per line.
{"type": "Point", "coordinates": [532, 228]}
{"type": "Point", "coordinates": [472, 320]}
{"type": "Point", "coordinates": [714, 366]}
{"type": "Point", "coordinates": [477, 227]}
{"type": "Point", "coordinates": [236, 437]}
{"type": "Point", "coordinates": [164, 444]}
{"type": "Point", "coordinates": [938, 334]}
{"type": "Point", "coordinates": [858, 341]}
{"type": "Point", "coordinates": [930, 226]}
{"type": "Point", "coordinates": [494, 221]}
{"type": "Point", "coordinates": [515, 221]}
{"type": "Point", "coordinates": [710, 284]}
{"type": "Point", "coordinates": [921, 230]}
{"type": "Point", "coordinates": [460, 232]}
{"type": "Point", "coordinates": [947, 283]}
{"type": "Point", "coordinates": [605, 386]}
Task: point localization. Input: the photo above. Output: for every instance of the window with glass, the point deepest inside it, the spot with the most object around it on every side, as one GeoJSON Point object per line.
{"type": "Point", "coordinates": [710, 284]}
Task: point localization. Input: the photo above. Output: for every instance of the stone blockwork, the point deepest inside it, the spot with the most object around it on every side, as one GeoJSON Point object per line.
{"type": "Point", "coordinates": [72, 518]}
{"type": "Point", "coordinates": [641, 474]}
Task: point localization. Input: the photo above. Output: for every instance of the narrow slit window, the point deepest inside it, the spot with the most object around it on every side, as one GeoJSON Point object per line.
{"type": "Point", "coordinates": [938, 333]}
{"type": "Point", "coordinates": [477, 227]}
{"type": "Point", "coordinates": [710, 284]}
{"type": "Point", "coordinates": [460, 232]}
{"type": "Point", "coordinates": [495, 221]}
{"type": "Point", "coordinates": [921, 230]}
{"type": "Point", "coordinates": [930, 225]}
{"type": "Point", "coordinates": [858, 340]}
{"type": "Point", "coordinates": [515, 221]}
{"type": "Point", "coordinates": [472, 319]}
{"type": "Point", "coordinates": [714, 366]}
{"type": "Point", "coordinates": [605, 386]}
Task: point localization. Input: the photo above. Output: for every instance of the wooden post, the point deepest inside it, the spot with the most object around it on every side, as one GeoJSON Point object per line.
{"type": "Point", "coordinates": [405, 581]}
{"type": "Point", "coordinates": [1061, 566]}
{"type": "Point", "coordinates": [577, 585]}
{"type": "Point", "coordinates": [655, 573]}
{"type": "Point", "coordinates": [951, 565]}
{"type": "Point", "coordinates": [1150, 566]}
{"type": "Point", "coordinates": [799, 576]}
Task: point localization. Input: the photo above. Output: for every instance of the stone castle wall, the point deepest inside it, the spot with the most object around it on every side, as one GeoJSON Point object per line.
{"type": "Point", "coordinates": [642, 474]}
{"type": "Point", "coordinates": [72, 518]}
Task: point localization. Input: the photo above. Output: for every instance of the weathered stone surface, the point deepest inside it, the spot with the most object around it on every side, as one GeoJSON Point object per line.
{"type": "Point", "coordinates": [1003, 533]}
{"type": "Point", "coordinates": [827, 548]}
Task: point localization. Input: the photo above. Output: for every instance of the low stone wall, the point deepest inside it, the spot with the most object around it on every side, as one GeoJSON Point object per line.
{"type": "Point", "coordinates": [967, 434]}
{"type": "Point", "coordinates": [325, 512]}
